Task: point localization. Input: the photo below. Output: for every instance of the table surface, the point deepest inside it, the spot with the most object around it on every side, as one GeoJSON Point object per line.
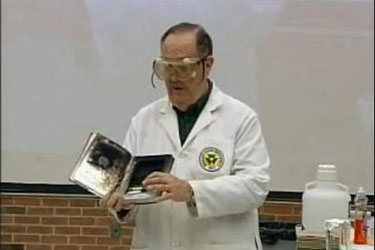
{"type": "Point", "coordinates": [362, 247]}
{"type": "Point", "coordinates": [291, 245]}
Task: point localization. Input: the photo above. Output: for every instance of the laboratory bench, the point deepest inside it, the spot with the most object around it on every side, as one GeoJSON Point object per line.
{"type": "Point", "coordinates": [291, 245]}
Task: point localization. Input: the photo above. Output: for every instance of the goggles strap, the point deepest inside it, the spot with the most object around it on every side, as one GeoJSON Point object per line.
{"type": "Point", "coordinates": [152, 80]}
{"type": "Point", "coordinates": [204, 70]}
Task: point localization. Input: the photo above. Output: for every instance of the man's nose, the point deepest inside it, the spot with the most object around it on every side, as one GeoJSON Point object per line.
{"type": "Point", "coordinates": [173, 78]}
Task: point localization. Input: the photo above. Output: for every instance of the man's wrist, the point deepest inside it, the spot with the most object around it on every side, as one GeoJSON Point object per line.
{"type": "Point", "coordinates": [191, 204]}
{"type": "Point", "coordinates": [190, 194]}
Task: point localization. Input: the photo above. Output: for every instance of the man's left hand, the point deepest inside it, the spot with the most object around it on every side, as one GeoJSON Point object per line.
{"type": "Point", "coordinates": [172, 188]}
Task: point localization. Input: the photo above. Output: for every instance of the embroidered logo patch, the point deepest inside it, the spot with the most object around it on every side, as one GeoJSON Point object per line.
{"type": "Point", "coordinates": [211, 159]}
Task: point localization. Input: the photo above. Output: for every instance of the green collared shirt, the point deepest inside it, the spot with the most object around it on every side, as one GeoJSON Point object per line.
{"type": "Point", "coordinates": [187, 119]}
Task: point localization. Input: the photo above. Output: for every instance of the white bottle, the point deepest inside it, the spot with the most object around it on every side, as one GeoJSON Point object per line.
{"type": "Point", "coordinates": [324, 199]}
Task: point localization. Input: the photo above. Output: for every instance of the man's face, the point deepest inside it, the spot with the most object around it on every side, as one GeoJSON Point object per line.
{"type": "Point", "coordinates": [183, 93]}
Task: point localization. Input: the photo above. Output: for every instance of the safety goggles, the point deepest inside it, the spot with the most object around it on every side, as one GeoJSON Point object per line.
{"type": "Point", "coordinates": [183, 70]}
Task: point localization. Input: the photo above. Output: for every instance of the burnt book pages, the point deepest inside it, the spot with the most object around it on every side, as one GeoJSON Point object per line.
{"type": "Point", "coordinates": [101, 165]}
{"type": "Point", "coordinates": [105, 166]}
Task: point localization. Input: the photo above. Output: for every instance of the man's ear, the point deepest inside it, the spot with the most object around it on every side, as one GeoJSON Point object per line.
{"type": "Point", "coordinates": [209, 62]}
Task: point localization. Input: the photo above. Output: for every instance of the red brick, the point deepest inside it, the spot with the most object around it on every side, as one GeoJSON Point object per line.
{"type": "Point", "coordinates": [26, 238]}
{"type": "Point", "coordinates": [5, 237]}
{"type": "Point", "coordinates": [95, 212]}
{"type": "Point", "coordinates": [13, 210]}
{"type": "Point", "coordinates": [38, 247]}
{"type": "Point", "coordinates": [39, 230]}
{"type": "Point", "coordinates": [83, 203]}
{"type": "Point", "coordinates": [127, 241]}
{"type": "Point", "coordinates": [27, 201]}
{"type": "Point", "coordinates": [54, 220]}
{"type": "Point", "coordinates": [66, 247]}
{"type": "Point", "coordinates": [297, 210]}
{"type": "Point", "coordinates": [39, 211]}
{"type": "Point", "coordinates": [94, 248]}
{"type": "Point", "coordinates": [81, 221]}
{"type": "Point", "coordinates": [82, 240]}
{"type": "Point", "coordinates": [26, 220]}
{"type": "Point", "coordinates": [6, 201]}
{"type": "Point", "coordinates": [12, 247]}
{"type": "Point", "coordinates": [95, 231]}
{"type": "Point", "coordinates": [267, 218]}
{"type": "Point", "coordinates": [68, 211]}
{"type": "Point", "coordinates": [55, 202]}
{"type": "Point", "coordinates": [13, 229]}
{"type": "Point", "coordinates": [68, 230]}
{"type": "Point", "coordinates": [120, 248]}
{"type": "Point", "coordinates": [54, 239]}
{"type": "Point", "coordinates": [127, 231]}
{"type": "Point", "coordinates": [276, 209]}
{"type": "Point", "coordinates": [5, 219]}
{"type": "Point", "coordinates": [108, 241]}
{"type": "Point", "coordinates": [289, 219]}
{"type": "Point", "coordinates": [107, 221]}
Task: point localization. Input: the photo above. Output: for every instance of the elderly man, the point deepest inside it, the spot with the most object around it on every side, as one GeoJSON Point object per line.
{"type": "Point", "coordinates": [221, 172]}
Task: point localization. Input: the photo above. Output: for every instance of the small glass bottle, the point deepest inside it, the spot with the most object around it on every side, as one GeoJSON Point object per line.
{"type": "Point", "coordinates": [370, 228]}
{"type": "Point", "coordinates": [352, 225]}
{"type": "Point", "coordinates": [360, 203]}
{"type": "Point", "coordinates": [360, 236]}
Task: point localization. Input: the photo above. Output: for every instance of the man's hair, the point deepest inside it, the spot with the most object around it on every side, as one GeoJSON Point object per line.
{"type": "Point", "coordinates": [203, 39]}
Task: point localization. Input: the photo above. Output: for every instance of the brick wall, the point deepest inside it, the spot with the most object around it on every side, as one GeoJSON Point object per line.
{"type": "Point", "coordinates": [278, 211]}
{"type": "Point", "coordinates": [59, 223]}
{"type": "Point", "coordinates": [78, 223]}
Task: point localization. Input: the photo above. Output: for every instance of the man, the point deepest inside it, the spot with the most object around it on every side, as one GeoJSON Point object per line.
{"type": "Point", "coordinates": [221, 172]}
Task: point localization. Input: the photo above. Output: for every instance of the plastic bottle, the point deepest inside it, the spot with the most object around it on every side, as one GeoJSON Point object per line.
{"type": "Point", "coordinates": [352, 220]}
{"type": "Point", "coordinates": [324, 199]}
{"type": "Point", "coordinates": [360, 204]}
{"type": "Point", "coordinates": [370, 229]}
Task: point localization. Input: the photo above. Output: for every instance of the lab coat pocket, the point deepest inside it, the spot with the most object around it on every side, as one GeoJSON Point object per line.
{"type": "Point", "coordinates": [241, 230]}
{"type": "Point", "coordinates": [140, 237]}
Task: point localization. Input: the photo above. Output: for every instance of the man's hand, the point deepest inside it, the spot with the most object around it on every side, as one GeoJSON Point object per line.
{"type": "Point", "coordinates": [115, 201]}
{"type": "Point", "coordinates": [172, 188]}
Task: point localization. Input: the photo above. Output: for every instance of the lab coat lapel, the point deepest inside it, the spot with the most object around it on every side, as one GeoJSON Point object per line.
{"type": "Point", "coordinates": [168, 120]}
{"type": "Point", "coordinates": [207, 115]}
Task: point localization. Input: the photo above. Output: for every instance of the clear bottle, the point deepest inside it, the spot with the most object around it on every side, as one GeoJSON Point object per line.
{"type": "Point", "coordinates": [370, 228]}
{"type": "Point", "coordinates": [352, 225]}
{"type": "Point", "coordinates": [360, 204]}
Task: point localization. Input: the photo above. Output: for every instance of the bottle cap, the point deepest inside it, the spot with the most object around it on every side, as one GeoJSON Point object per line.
{"type": "Point", "coordinates": [361, 190]}
{"type": "Point", "coordinates": [327, 172]}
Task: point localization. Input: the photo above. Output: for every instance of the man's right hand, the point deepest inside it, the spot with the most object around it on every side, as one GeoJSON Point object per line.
{"type": "Point", "coordinates": [115, 201]}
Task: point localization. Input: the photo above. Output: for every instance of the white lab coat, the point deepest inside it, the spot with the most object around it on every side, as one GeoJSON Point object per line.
{"type": "Point", "coordinates": [227, 199]}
